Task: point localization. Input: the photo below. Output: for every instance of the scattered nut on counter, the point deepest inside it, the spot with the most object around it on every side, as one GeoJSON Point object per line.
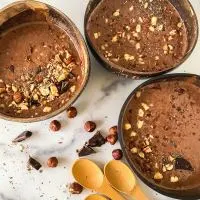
{"type": "Point", "coordinates": [90, 126]}
{"type": "Point", "coordinates": [52, 162]}
{"type": "Point", "coordinates": [55, 125]}
{"type": "Point", "coordinates": [72, 112]}
{"type": "Point", "coordinates": [112, 139]}
{"type": "Point", "coordinates": [113, 130]}
{"type": "Point", "coordinates": [75, 188]}
{"type": "Point", "coordinates": [117, 154]}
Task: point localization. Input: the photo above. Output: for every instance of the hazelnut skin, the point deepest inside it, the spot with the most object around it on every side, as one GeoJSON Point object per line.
{"type": "Point", "coordinates": [55, 125]}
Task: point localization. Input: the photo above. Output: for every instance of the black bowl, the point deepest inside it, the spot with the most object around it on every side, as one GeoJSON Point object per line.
{"type": "Point", "coordinates": [189, 194]}
{"type": "Point", "coordinates": [189, 17]}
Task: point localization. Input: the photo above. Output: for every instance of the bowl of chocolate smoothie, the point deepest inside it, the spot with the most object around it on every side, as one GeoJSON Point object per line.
{"type": "Point", "coordinates": [44, 62]}
{"type": "Point", "coordinates": [159, 133]}
{"type": "Point", "coordinates": [141, 38]}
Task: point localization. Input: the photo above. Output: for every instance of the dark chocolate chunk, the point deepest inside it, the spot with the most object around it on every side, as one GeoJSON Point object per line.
{"type": "Point", "coordinates": [23, 136]}
{"type": "Point", "coordinates": [97, 140]}
{"type": "Point", "coordinates": [181, 163]}
{"type": "Point", "coordinates": [85, 151]}
{"type": "Point", "coordinates": [12, 68]}
{"type": "Point", "coordinates": [63, 87]}
{"type": "Point", "coordinates": [34, 163]}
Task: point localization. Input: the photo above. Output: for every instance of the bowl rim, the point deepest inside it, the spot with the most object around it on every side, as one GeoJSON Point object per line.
{"type": "Point", "coordinates": [126, 72]}
{"type": "Point", "coordinates": [87, 71]}
{"type": "Point", "coordinates": [158, 188]}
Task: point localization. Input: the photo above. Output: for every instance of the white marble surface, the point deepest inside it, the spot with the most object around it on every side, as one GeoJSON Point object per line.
{"type": "Point", "coordinates": [101, 102]}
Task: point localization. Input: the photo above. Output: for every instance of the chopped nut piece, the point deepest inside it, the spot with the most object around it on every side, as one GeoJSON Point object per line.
{"type": "Point", "coordinates": [180, 24]}
{"type": "Point", "coordinates": [128, 57]}
{"type": "Point", "coordinates": [133, 134]}
{"type": "Point", "coordinates": [154, 21]}
{"type": "Point", "coordinates": [131, 8]}
{"type": "Point", "coordinates": [141, 154]}
{"type": "Point", "coordinates": [164, 169]}
{"type": "Point", "coordinates": [140, 124]}
{"type": "Point", "coordinates": [44, 90]}
{"type": "Point", "coordinates": [169, 167]}
{"type": "Point", "coordinates": [138, 28]}
{"type": "Point", "coordinates": [134, 150]}
{"type": "Point", "coordinates": [146, 5]}
{"type": "Point", "coordinates": [97, 35]}
{"type": "Point", "coordinates": [151, 28]}
{"type": "Point", "coordinates": [147, 149]}
{"type": "Point", "coordinates": [127, 126]}
{"type": "Point", "coordinates": [115, 38]}
{"type": "Point", "coordinates": [72, 89]}
{"type": "Point", "coordinates": [158, 176]}
{"type": "Point", "coordinates": [14, 89]}
{"type": "Point", "coordinates": [171, 159]}
{"type": "Point", "coordinates": [145, 106]}
{"type": "Point", "coordinates": [174, 179]}
{"type": "Point", "coordinates": [138, 94]}
{"type": "Point", "coordinates": [137, 46]}
{"type": "Point", "coordinates": [54, 90]}
{"type": "Point", "coordinates": [170, 47]}
{"type": "Point", "coordinates": [116, 13]}
{"type": "Point", "coordinates": [47, 109]}
{"type": "Point", "coordinates": [157, 57]}
{"type": "Point", "coordinates": [173, 32]}
{"type": "Point", "coordinates": [128, 28]}
{"type": "Point", "coordinates": [141, 113]}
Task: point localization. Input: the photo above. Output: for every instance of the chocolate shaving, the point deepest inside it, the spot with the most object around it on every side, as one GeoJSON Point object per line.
{"type": "Point", "coordinates": [97, 140]}
{"type": "Point", "coordinates": [85, 151]}
{"type": "Point", "coordinates": [181, 163]}
{"type": "Point", "coordinates": [12, 68]}
{"type": "Point", "coordinates": [63, 87]}
{"type": "Point", "coordinates": [34, 163]}
{"type": "Point", "coordinates": [23, 136]}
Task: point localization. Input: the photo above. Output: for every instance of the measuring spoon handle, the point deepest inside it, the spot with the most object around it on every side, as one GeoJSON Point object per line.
{"type": "Point", "coordinates": [138, 194]}
{"type": "Point", "coordinates": [107, 190]}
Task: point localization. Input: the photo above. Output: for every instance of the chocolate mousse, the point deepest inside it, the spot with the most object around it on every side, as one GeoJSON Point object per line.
{"type": "Point", "coordinates": [40, 67]}
{"type": "Point", "coordinates": [141, 36]}
{"type": "Point", "coordinates": [161, 132]}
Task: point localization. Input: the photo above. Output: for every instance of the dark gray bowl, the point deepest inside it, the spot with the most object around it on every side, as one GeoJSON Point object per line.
{"type": "Point", "coordinates": [189, 194]}
{"type": "Point", "coordinates": [189, 17]}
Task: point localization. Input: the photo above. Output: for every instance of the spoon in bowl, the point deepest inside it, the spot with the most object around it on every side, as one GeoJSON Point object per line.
{"type": "Point", "coordinates": [90, 176]}
{"type": "Point", "coordinates": [123, 180]}
{"type": "Point", "coordinates": [95, 197]}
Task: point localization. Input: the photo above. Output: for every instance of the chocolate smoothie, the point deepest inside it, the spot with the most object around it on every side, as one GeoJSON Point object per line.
{"type": "Point", "coordinates": [141, 36]}
{"type": "Point", "coordinates": [161, 132]}
{"type": "Point", "coordinates": [40, 69]}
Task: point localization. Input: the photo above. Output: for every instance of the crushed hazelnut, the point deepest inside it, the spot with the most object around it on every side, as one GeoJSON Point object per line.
{"type": "Point", "coordinates": [147, 149]}
{"type": "Point", "coordinates": [133, 134]}
{"type": "Point", "coordinates": [127, 126]}
{"type": "Point", "coordinates": [169, 167]}
{"type": "Point", "coordinates": [140, 124]}
{"type": "Point", "coordinates": [47, 109]}
{"type": "Point", "coordinates": [128, 57]}
{"type": "Point", "coordinates": [154, 20]}
{"type": "Point", "coordinates": [145, 106]}
{"type": "Point", "coordinates": [116, 13]}
{"type": "Point", "coordinates": [134, 150]}
{"type": "Point", "coordinates": [138, 28]}
{"type": "Point", "coordinates": [158, 176]}
{"type": "Point", "coordinates": [141, 113]}
{"type": "Point", "coordinates": [115, 38]}
{"type": "Point", "coordinates": [138, 94]}
{"type": "Point", "coordinates": [174, 179]}
{"type": "Point", "coordinates": [141, 154]}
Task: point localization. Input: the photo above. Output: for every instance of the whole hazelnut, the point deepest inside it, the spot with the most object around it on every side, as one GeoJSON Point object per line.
{"type": "Point", "coordinates": [55, 125]}
{"type": "Point", "coordinates": [52, 162]}
{"type": "Point", "coordinates": [71, 112]}
{"type": "Point", "coordinates": [90, 126]}
{"type": "Point", "coordinates": [75, 188]}
{"type": "Point", "coordinates": [112, 139]}
{"type": "Point", "coordinates": [117, 154]}
{"type": "Point", "coordinates": [17, 97]}
{"type": "Point", "coordinates": [113, 130]}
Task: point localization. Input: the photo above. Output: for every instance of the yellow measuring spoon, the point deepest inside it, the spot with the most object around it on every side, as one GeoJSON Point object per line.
{"type": "Point", "coordinates": [122, 179]}
{"type": "Point", "coordinates": [90, 176]}
{"type": "Point", "coordinates": [95, 197]}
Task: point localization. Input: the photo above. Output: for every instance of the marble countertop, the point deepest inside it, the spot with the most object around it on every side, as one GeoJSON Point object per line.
{"type": "Point", "coordinates": [101, 102]}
